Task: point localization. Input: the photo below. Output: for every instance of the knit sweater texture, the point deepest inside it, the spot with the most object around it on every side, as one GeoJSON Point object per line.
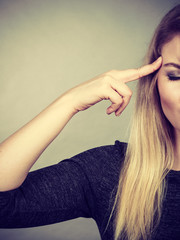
{"type": "Point", "coordinates": [82, 186]}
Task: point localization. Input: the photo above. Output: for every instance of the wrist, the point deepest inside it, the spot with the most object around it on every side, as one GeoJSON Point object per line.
{"type": "Point", "coordinates": [65, 104]}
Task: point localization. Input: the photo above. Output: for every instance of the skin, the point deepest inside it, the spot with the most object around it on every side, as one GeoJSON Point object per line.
{"type": "Point", "coordinates": [169, 90]}
{"type": "Point", "coordinates": [22, 149]}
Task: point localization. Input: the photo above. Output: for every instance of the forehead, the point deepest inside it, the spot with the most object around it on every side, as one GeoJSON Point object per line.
{"type": "Point", "coordinates": [171, 50]}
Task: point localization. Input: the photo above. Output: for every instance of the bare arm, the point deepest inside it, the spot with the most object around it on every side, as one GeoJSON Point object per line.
{"type": "Point", "coordinates": [21, 150]}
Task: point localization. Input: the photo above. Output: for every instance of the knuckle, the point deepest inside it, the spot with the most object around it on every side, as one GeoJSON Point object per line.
{"type": "Point", "coordinates": [112, 71]}
{"type": "Point", "coordinates": [127, 99]}
{"type": "Point", "coordinates": [112, 74]}
{"type": "Point", "coordinates": [130, 93]}
{"type": "Point", "coordinates": [120, 101]}
{"type": "Point", "coordinates": [107, 78]}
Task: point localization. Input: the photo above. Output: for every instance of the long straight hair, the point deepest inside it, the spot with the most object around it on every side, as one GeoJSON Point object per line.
{"type": "Point", "coordinates": [150, 152]}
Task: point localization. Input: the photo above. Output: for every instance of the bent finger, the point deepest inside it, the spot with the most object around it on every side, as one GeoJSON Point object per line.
{"type": "Point", "coordinates": [124, 104]}
{"type": "Point", "coordinates": [116, 101]}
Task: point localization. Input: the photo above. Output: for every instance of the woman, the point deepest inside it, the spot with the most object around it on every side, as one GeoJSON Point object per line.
{"type": "Point", "coordinates": [144, 202]}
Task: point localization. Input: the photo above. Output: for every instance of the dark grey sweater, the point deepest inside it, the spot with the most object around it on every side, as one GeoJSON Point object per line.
{"type": "Point", "coordinates": [82, 186]}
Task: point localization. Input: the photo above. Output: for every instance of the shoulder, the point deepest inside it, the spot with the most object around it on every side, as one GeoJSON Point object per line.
{"type": "Point", "coordinates": [97, 172]}
{"type": "Point", "coordinates": [103, 154]}
{"type": "Point", "coordinates": [101, 167]}
{"type": "Point", "coordinates": [103, 162]}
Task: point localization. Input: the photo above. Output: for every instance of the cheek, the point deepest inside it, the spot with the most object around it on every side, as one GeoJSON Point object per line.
{"type": "Point", "coordinates": [166, 97]}
{"type": "Point", "coordinates": [168, 107]}
{"type": "Point", "coordinates": [170, 102]}
{"type": "Point", "coordinates": [167, 103]}
{"type": "Point", "coordinates": [164, 93]}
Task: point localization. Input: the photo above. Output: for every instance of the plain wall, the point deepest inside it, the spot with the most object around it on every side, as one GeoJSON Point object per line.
{"type": "Point", "coordinates": [47, 47]}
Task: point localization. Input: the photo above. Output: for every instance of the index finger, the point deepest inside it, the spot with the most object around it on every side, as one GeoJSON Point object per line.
{"type": "Point", "coordinates": [133, 74]}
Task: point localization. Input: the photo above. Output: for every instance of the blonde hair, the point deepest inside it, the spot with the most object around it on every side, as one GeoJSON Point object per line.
{"type": "Point", "coordinates": [150, 152]}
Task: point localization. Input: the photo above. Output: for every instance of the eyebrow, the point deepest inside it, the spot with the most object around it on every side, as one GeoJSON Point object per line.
{"type": "Point", "coordinates": [171, 64]}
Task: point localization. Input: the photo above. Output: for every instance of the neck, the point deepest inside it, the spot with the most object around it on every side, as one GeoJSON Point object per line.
{"type": "Point", "coordinates": [176, 165]}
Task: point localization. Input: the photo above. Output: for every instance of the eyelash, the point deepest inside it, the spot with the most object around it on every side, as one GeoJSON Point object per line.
{"type": "Point", "coordinates": [173, 77]}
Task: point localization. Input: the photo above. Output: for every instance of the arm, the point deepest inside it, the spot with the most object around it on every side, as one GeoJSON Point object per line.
{"type": "Point", "coordinates": [21, 150]}
{"type": "Point", "coordinates": [74, 187]}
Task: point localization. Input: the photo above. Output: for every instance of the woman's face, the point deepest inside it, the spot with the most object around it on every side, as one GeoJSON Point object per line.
{"type": "Point", "coordinates": [169, 82]}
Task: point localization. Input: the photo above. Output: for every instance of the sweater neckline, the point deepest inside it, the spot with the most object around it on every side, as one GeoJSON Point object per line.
{"type": "Point", "coordinates": [174, 174]}
{"type": "Point", "coordinates": [174, 171]}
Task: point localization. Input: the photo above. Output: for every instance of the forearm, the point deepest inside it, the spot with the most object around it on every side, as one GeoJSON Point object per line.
{"type": "Point", "coordinates": [21, 150]}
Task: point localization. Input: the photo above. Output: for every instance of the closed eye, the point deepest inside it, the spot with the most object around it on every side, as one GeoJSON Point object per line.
{"type": "Point", "coordinates": [173, 77]}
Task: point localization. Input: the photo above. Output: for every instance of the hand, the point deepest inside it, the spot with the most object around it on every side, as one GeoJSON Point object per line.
{"type": "Point", "coordinates": [24, 147]}
{"type": "Point", "coordinates": [109, 86]}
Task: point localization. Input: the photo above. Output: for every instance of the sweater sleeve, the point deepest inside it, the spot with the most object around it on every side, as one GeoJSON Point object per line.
{"type": "Point", "coordinates": [60, 192]}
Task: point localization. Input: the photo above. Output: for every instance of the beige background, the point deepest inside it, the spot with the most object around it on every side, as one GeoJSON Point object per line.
{"type": "Point", "coordinates": [47, 47]}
